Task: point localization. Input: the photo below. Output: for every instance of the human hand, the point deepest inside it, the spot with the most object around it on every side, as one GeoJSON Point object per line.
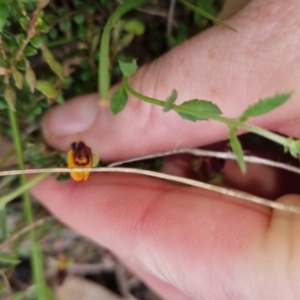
{"type": "Point", "coordinates": [184, 242]}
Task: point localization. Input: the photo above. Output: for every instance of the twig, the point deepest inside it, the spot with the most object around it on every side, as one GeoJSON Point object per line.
{"type": "Point", "coordinates": [6, 282]}
{"type": "Point", "coordinates": [217, 189]}
{"type": "Point", "coordinates": [122, 282]}
{"type": "Point", "coordinates": [24, 230]}
{"type": "Point", "coordinates": [202, 152]}
{"type": "Point", "coordinates": [170, 16]}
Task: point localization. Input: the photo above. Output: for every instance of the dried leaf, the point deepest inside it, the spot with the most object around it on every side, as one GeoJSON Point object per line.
{"type": "Point", "coordinates": [30, 78]}
{"type": "Point", "coordinates": [18, 78]}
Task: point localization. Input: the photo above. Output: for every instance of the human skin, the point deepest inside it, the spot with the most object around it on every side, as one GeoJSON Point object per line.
{"type": "Point", "coordinates": [189, 243]}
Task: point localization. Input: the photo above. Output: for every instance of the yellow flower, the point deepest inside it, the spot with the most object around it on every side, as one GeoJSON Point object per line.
{"type": "Point", "coordinates": [80, 155]}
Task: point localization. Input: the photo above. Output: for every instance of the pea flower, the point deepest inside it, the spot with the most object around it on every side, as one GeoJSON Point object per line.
{"type": "Point", "coordinates": [80, 155]}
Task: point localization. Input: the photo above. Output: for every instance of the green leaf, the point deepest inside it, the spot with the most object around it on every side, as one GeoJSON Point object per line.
{"type": "Point", "coordinates": [18, 78]}
{"type": "Point", "coordinates": [65, 25]}
{"type": "Point", "coordinates": [237, 150]}
{"type": "Point", "coordinates": [53, 63]}
{"type": "Point", "coordinates": [10, 97]}
{"type": "Point", "coordinates": [78, 18]}
{"type": "Point", "coordinates": [265, 106]}
{"type": "Point", "coordinates": [30, 78]}
{"type": "Point", "coordinates": [10, 259]}
{"type": "Point", "coordinates": [4, 9]}
{"type": "Point", "coordinates": [21, 65]}
{"type": "Point", "coordinates": [128, 68]}
{"type": "Point", "coordinates": [118, 100]}
{"type": "Point", "coordinates": [42, 26]}
{"type": "Point", "coordinates": [95, 160]}
{"type": "Point", "coordinates": [205, 14]}
{"type": "Point", "coordinates": [197, 107]}
{"type": "Point", "coordinates": [40, 4]}
{"type": "Point", "coordinates": [134, 26]}
{"type": "Point", "coordinates": [170, 101]}
{"type": "Point", "coordinates": [20, 38]}
{"type": "Point", "coordinates": [24, 23]}
{"type": "Point", "coordinates": [36, 41]}
{"type": "Point", "coordinates": [46, 88]}
{"type": "Point", "coordinates": [29, 51]}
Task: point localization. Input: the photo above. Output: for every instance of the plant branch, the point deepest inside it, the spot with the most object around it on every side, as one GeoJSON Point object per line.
{"type": "Point", "coordinates": [217, 189]}
{"type": "Point", "coordinates": [103, 65]}
{"type": "Point", "coordinates": [36, 261]}
{"type": "Point", "coordinates": [230, 122]}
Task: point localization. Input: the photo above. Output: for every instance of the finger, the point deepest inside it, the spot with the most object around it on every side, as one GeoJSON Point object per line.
{"type": "Point", "coordinates": [165, 290]}
{"type": "Point", "coordinates": [231, 69]}
{"type": "Point", "coordinates": [175, 233]}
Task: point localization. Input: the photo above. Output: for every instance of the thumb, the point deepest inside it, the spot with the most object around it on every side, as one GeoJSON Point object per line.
{"type": "Point", "coordinates": [230, 69]}
{"type": "Point", "coordinates": [184, 236]}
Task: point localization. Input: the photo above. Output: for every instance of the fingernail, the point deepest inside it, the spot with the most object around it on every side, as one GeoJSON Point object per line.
{"type": "Point", "coordinates": [73, 117]}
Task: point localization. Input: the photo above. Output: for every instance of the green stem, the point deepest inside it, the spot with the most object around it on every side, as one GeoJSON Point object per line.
{"type": "Point", "coordinates": [204, 14]}
{"type": "Point", "coordinates": [36, 261]}
{"type": "Point", "coordinates": [231, 123]}
{"type": "Point", "coordinates": [20, 190]}
{"type": "Point", "coordinates": [3, 224]}
{"type": "Point", "coordinates": [103, 65]}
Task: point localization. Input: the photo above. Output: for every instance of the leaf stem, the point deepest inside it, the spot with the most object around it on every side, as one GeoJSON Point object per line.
{"type": "Point", "coordinates": [230, 122]}
{"type": "Point", "coordinates": [36, 261]}
{"type": "Point", "coordinates": [103, 65]}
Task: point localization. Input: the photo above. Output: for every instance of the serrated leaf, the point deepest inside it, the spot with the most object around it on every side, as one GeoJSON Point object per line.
{"type": "Point", "coordinates": [10, 97]}
{"type": "Point", "coordinates": [30, 78]}
{"type": "Point", "coordinates": [46, 88]}
{"type": "Point", "coordinates": [205, 14]}
{"type": "Point", "coordinates": [10, 259]}
{"type": "Point", "coordinates": [128, 68]}
{"type": "Point", "coordinates": [198, 106]}
{"type": "Point", "coordinates": [170, 101]}
{"type": "Point", "coordinates": [53, 63]}
{"type": "Point", "coordinates": [4, 9]}
{"type": "Point", "coordinates": [265, 106]}
{"type": "Point", "coordinates": [237, 150]}
{"type": "Point", "coordinates": [18, 78]}
{"type": "Point", "coordinates": [118, 100]}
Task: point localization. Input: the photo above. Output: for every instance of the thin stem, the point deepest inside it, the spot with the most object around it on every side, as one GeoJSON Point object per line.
{"type": "Point", "coordinates": [16, 235]}
{"type": "Point", "coordinates": [103, 65]}
{"type": "Point", "coordinates": [23, 188]}
{"type": "Point", "coordinates": [36, 261]}
{"type": "Point", "coordinates": [205, 14]}
{"type": "Point", "coordinates": [3, 224]}
{"type": "Point", "coordinates": [187, 181]}
{"type": "Point", "coordinates": [230, 122]}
